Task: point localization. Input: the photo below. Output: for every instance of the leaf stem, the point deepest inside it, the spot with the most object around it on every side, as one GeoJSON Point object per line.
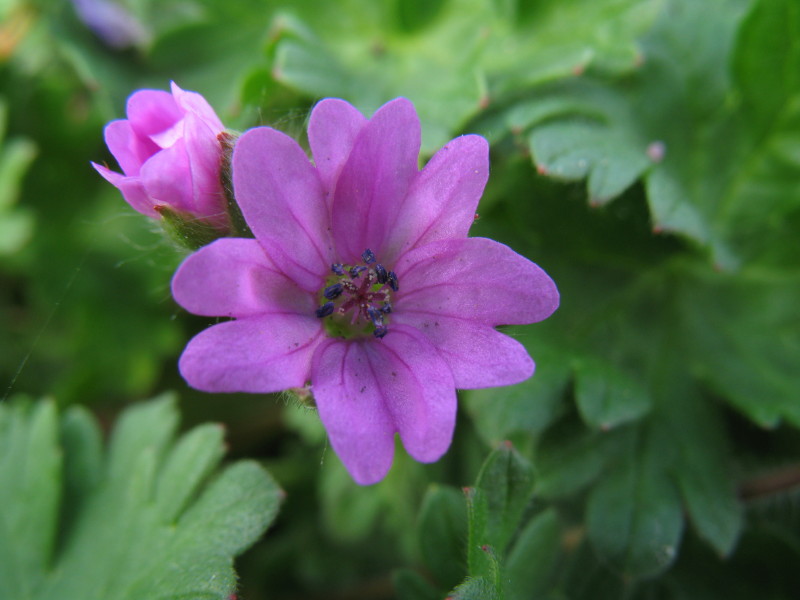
{"type": "Point", "coordinates": [770, 484]}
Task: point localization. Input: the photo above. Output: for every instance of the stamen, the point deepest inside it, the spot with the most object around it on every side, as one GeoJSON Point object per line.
{"type": "Point", "coordinates": [333, 291]}
{"type": "Point", "coordinates": [375, 316]}
{"type": "Point", "coordinates": [363, 301]}
{"type": "Point", "coordinates": [393, 281]}
{"type": "Point", "coordinates": [324, 310]}
{"type": "Point", "coordinates": [357, 270]}
{"type": "Point", "coordinates": [380, 271]}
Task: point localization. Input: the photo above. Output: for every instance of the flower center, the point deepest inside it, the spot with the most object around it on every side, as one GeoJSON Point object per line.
{"type": "Point", "coordinates": [357, 298]}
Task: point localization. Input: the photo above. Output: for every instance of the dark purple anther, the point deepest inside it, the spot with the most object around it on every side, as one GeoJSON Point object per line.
{"type": "Point", "coordinates": [333, 291]}
{"type": "Point", "coordinates": [393, 281]}
{"type": "Point", "coordinates": [386, 308]}
{"type": "Point", "coordinates": [325, 310]}
{"type": "Point", "coordinates": [355, 271]}
{"type": "Point", "coordinates": [380, 331]}
{"type": "Point", "coordinates": [380, 271]}
{"type": "Point", "coordinates": [368, 256]}
{"type": "Point", "coordinates": [338, 268]}
{"type": "Point", "coordinates": [375, 315]}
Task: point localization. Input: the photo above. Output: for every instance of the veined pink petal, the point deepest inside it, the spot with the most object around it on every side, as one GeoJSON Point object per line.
{"type": "Point", "coordinates": [152, 111]}
{"type": "Point", "coordinates": [131, 188]}
{"type": "Point", "coordinates": [261, 354]}
{"type": "Point", "coordinates": [375, 179]}
{"type": "Point", "coordinates": [130, 150]}
{"type": "Point", "coordinates": [332, 130]}
{"type": "Point", "coordinates": [477, 279]}
{"type": "Point", "coordinates": [167, 177]}
{"type": "Point", "coordinates": [366, 390]}
{"type": "Point", "coordinates": [192, 102]}
{"type": "Point", "coordinates": [352, 409]}
{"type": "Point", "coordinates": [443, 198]}
{"type": "Point", "coordinates": [478, 355]}
{"type": "Point", "coordinates": [205, 157]}
{"type": "Point", "coordinates": [282, 199]}
{"type": "Point", "coordinates": [233, 277]}
{"type": "Point", "coordinates": [418, 389]}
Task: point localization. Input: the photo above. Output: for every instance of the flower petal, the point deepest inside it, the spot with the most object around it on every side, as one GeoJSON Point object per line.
{"type": "Point", "coordinates": [443, 197]}
{"type": "Point", "coordinates": [260, 354]}
{"type": "Point", "coordinates": [194, 103]}
{"type": "Point", "coordinates": [352, 409]}
{"type": "Point", "coordinates": [129, 149]}
{"type": "Point", "coordinates": [131, 188]}
{"type": "Point", "coordinates": [205, 157]}
{"type": "Point", "coordinates": [367, 389]}
{"type": "Point", "coordinates": [479, 356]}
{"type": "Point", "coordinates": [167, 177]}
{"type": "Point", "coordinates": [476, 279]}
{"type": "Point", "coordinates": [152, 111]}
{"type": "Point", "coordinates": [282, 200]}
{"type": "Point", "coordinates": [332, 130]}
{"type": "Point", "coordinates": [233, 277]}
{"type": "Point", "coordinates": [375, 179]}
{"type": "Point", "coordinates": [418, 388]}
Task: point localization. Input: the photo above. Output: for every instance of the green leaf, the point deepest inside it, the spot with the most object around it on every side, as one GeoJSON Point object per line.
{"type": "Point", "coordinates": [766, 58]}
{"type": "Point", "coordinates": [476, 588]}
{"type": "Point", "coordinates": [585, 130]}
{"type": "Point", "coordinates": [82, 443]}
{"type": "Point", "coordinates": [743, 335]}
{"type": "Point", "coordinates": [147, 520]}
{"type": "Point", "coordinates": [634, 514]}
{"type": "Point", "coordinates": [376, 51]}
{"type": "Point", "coordinates": [495, 506]}
{"type": "Point", "coordinates": [16, 156]}
{"type": "Point", "coordinates": [716, 171]}
{"type": "Point", "coordinates": [442, 530]}
{"type": "Point", "coordinates": [607, 397]}
{"type": "Point", "coordinates": [569, 457]}
{"type": "Point", "coordinates": [30, 484]}
{"type": "Point", "coordinates": [532, 562]}
{"type": "Point", "coordinates": [196, 455]}
{"type": "Point", "coordinates": [505, 485]}
{"type": "Point", "coordinates": [703, 472]}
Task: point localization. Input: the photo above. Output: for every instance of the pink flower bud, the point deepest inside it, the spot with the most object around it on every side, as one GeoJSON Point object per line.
{"type": "Point", "coordinates": [170, 156]}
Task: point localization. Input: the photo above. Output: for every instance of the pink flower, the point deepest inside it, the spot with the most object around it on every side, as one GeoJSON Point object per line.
{"type": "Point", "coordinates": [362, 282]}
{"type": "Point", "coordinates": [169, 154]}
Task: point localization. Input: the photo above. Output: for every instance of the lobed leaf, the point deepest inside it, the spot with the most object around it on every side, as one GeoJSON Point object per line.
{"type": "Point", "coordinates": [444, 63]}
{"type": "Point", "coordinates": [715, 171]}
{"type": "Point", "coordinates": [141, 521]}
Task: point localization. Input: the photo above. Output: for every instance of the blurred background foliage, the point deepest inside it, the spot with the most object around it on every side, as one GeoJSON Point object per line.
{"type": "Point", "coordinates": [646, 153]}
